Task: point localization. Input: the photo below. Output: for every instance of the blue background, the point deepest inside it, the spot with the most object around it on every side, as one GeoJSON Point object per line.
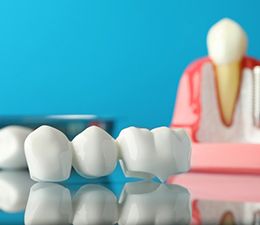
{"type": "Point", "coordinates": [115, 58]}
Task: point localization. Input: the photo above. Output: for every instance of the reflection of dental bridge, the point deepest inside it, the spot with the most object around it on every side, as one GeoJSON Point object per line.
{"type": "Point", "coordinates": [94, 153]}
{"type": "Point", "coordinates": [49, 203]}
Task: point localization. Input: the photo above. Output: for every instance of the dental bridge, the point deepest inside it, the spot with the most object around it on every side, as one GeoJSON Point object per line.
{"type": "Point", "coordinates": [73, 203]}
{"type": "Point", "coordinates": [93, 153]}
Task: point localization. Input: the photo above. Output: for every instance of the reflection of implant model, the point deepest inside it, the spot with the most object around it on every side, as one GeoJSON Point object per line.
{"type": "Point", "coordinates": [140, 203]}
{"type": "Point", "coordinates": [143, 153]}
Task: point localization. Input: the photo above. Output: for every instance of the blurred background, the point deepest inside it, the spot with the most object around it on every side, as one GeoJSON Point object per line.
{"type": "Point", "coordinates": [119, 59]}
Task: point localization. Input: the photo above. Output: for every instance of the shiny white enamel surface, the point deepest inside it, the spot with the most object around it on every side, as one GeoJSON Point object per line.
{"type": "Point", "coordinates": [94, 204]}
{"type": "Point", "coordinates": [12, 147]}
{"type": "Point", "coordinates": [49, 154]}
{"type": "Point", "coordinates": [94, 153]}
{"type": "Point", "coordinates": [227, 42]}
{"type": "Point", "coordinates": [160, 152]}
{"type": "Point", "coordinates": [48, 204]}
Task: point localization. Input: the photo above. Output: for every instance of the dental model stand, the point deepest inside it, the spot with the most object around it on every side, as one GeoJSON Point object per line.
{"type": "Point", "coordinates": [93, 153]}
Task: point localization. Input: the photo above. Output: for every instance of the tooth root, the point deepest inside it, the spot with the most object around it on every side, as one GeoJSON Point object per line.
{"type": "Point", "coordinates": [151, 203]}
{"type": "Point", "coordinates": [48, 204]}
{"type": "Point", "coordinates": [161, 152]}
{"type": "Point", "coordinates": [228, 83]}
{"type": "Point", "coordinates": [15, 187]}
{"type": "Point", "coordinates": [227, 44]}
{"type": "Point", "coordinates": [94, 204]}
{"type": "Point", "coordinates": [49, 155]}
{"type": "Point", "coordinates": [95, 153]}
{"type": "Point", "coordinates": [12, 147]}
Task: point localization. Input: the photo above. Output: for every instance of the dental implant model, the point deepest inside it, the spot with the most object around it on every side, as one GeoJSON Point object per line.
{"type": "Point", "coordinates": [93, 153]}
{"type": "Point", "coordinates": [216, 98]}
{"type": "Point", "coordinates": [218, 103]}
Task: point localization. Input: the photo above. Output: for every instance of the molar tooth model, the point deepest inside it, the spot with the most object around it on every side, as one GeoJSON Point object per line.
{"type": "Point", "coordinates": [143, 153]}
{"type": "Point", "coordinates": [49, 154]}
{"type": "Point", "coordinates": [95, 153]}
{"type": "Point", "coordinates": [160, 152]}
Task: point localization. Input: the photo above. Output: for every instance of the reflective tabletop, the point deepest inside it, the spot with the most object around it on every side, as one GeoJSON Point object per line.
{"type": "Point", "coordinates": [186, 199]}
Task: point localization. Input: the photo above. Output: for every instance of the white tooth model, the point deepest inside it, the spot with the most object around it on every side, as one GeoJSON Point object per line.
{"type": "Point", "coordinates": [153, 203]}
{"type": "Point", "coordinates": [95, 204]}
{"type": "Point", "coordinates": [160, 152]}
{"type": "Point", "coordinates": [12, 147]}
{"type": "Point", "coordinates": [48, 203]}
{"type": "Point", "coordinates": [48, 154]}
{"type": "Point", "coordinates": [143, 153]}
{"type": "Point", "coordinates": [95, 153]}
{"type": "Point", "coordinates": [15, 187]}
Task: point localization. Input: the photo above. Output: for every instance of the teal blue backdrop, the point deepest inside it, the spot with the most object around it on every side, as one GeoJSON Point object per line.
{"type": "Point", "coordinates": [115, 58]}
{"type": "Point", "coordinates": [121, 59]}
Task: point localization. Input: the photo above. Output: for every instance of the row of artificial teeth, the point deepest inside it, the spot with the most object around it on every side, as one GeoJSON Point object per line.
{"type": "Point", "coordinates": [140, 203]}
{"type": "Point", "coordinates": [50, 155]}
{"type": "Point", "coordinates": [94, 153]}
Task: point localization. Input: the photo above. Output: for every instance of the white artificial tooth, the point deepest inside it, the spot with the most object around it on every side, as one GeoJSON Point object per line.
{"type": "Point", "coordinates": [15, 187]}
{"type": "Point", "coordinates": [94, 204]}
{"type": "Point", "coordinates": [137, 152]}
{"type": "Point", "coordinates": [161, 152]}
{"type": "Point", "coordinates": [94, 153]}
{"type": "Point", "coordinates": [227, 42]}
{"type": "Point", "coordinates": [49, 154]}
{"type": "Point", "coordinates": [153, 203]}
{"type": "Point", "coordinates": [12, 147]}
{"type": "Point", "coordinates": [48, 203]}
{"type": "Point", "coordinates": [174, 148]}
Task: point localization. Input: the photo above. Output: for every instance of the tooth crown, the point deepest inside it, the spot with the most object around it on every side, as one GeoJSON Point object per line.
{"type": "Point", "coordinates": [94, 153]}
{"type": "Point", "coordinates": [49, 155]}
{"type": "Point", "coordinates": [160, 152]}
{"type": "Point", "coordinates": [12, 147]}
{"type": "Point", "coordinates": [227, 42]}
